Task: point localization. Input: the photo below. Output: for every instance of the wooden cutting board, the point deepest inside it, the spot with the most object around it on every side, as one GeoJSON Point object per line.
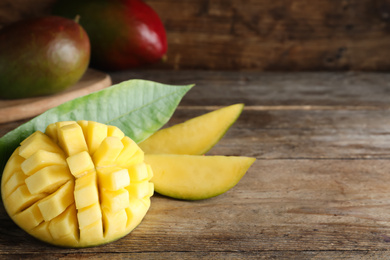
{"type": "Point", "coordinates": [12, 110]}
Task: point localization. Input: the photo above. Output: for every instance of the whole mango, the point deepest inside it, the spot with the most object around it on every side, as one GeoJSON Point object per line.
{"type": "Point", "coordinates": [41, 56]}
{"type": "Point", "coordinates": [123, 33]}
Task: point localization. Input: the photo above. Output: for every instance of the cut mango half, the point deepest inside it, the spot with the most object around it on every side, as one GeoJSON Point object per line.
{"type": "Point", "coordinates": [79, 184]}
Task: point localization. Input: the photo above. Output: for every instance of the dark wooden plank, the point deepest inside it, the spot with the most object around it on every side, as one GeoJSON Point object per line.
{"type": "Point", "coordinates": [319, 188]}
{"type": "Point", "coordinates": [280, 205]}
{"type": "Point", "coordinates": [14, 10]}
{"type": "Point", "coordinates": [298, 134]}
{"type": "Point", "coordinates": [276, 35]}
{"type": "Point", "coordinates": [261, 34]}
{"type": "Point", "coordinates": [351, 123]}
{"type": "Point", "coordinates": [274, 254]}
{"type": "Point", "coordinates": [302, 90]}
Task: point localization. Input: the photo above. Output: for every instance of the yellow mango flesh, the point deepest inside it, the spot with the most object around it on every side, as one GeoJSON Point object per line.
{"type": "Point", "coordinates": [195, 177]}
{"type": "Point", "coordinates": [79, 184]}
{"type": "Point", "coordinates": [179, 170]}
{"type": "Point", "coordinates": [195, 136]}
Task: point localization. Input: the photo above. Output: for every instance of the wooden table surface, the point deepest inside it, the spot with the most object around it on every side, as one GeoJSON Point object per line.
{"type": "Point", "coordinates": [320, 188]}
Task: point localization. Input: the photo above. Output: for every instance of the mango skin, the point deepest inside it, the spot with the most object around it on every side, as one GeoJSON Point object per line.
{"type": "Point", "coordinates": [124, 34]}
{"type": "Point", "coordinates": [41, 56]}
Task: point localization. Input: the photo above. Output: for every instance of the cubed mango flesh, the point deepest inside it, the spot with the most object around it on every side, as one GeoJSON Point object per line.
{"type": "Point", "coordinates": [78, 184]}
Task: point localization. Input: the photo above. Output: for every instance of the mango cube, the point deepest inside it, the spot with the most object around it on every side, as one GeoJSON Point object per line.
{"type": "Point", "coordinates": [41, 159]}
{"type": "Point", "coordinates": [88, 215]}
{"type": "Point", "coordinates": [65, 225]}
{"type": "Point", "coordinates": [80, 164]}
{"type": "Point", "coordinates": [138, 189]}
{"type": "Point", "coordinates": [71, 139]}
{"type": "Point", "coordinates": [130, 148]}
{"type": "Point", "coordinates": [48, 179]}
{"type": "Point", "coordinates": [20, 199]}
{"type": "Point", "coordinates": [86, 191]}
{"type": "Point", "coordinates": [96, 133]}
{"type": "Point", "coordinates": [56, 203]}
{"type": "Point", "coordinates": [92, 234]}
{"type": "Point", "coordinates": [42, 232]}
{"type": "Point", "coordinates": [151, 190]}
{"type": "Point", "coordinates": [37, 141]}
{"type": "Point", "coordinates": [13, 165]}
{"type": "Point", "coordinates": [30, 217]}
{"type": "Point", "coordinates": [115, 131]}
{"type": "Point", "coordinates": [64, 228]}
{"type": "Point", "coordinates": [108, 151]}
{"type": "Point", "coordinates": [136, 208]}
{"type": "Point", "coordinates": [84, 127]}
{"type": "Point", "coordinates": [113, 178]}
{"type": "Point", "coordinates": [51, 132]}
{"type": "Point", "coordinates": [138, 172]}
{"type": "Point", "coordinates": [115, 200]}
{"type": "Point", "coordinates": [17, 179]}
{"type": "Point", "coordinates": [114, 222]}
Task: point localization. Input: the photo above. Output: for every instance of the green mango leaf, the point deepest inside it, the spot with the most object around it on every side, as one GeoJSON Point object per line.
{"type": "Point", "coordinates": [137, 107]}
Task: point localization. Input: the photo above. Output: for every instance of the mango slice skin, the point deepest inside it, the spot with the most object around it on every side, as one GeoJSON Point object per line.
{"type": "Point", "coordinates": [69, 188]}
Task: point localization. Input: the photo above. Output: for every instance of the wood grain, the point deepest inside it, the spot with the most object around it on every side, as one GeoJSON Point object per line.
{"type": "Point", "coordinates": [276, 35]}
{"type": "Point", "coordinates": [318, 190]}
{"type": "Point", "coordinates": [276, 90]}
{"type": "Point", "coordinates": [261, 35]}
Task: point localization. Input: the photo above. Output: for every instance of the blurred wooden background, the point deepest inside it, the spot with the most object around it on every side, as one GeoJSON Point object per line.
{"type": "Point", "coordinates": [263, 35]}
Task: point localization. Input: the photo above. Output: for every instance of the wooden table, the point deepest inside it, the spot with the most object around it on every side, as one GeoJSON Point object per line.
{"type": "Point", "coordinates": [320, 188]}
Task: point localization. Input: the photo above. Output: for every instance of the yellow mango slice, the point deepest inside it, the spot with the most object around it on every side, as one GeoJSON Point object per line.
{"type": "Point", "coordinates": [195, 177]}
{"type": "Point", "coordinates": [59, 191]}
{"type": "Point", "coordinates": [195, 136]}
